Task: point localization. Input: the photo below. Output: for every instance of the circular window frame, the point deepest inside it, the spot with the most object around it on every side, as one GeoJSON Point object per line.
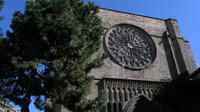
{"type": "Point", "coordinates": [149, 38]}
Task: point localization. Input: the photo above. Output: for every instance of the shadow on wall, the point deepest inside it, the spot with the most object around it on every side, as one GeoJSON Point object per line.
{"type": "Point", "coordinates": [145, 105]}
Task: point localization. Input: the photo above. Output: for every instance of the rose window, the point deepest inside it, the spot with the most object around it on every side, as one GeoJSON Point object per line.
{"type": "Point", "coordinates": [130, 46]}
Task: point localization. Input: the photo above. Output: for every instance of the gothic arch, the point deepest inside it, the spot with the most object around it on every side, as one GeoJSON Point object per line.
{"type": "Point", "coordinates": [123, 95]}
{"type": "Point", "coordinates": [140, 103]}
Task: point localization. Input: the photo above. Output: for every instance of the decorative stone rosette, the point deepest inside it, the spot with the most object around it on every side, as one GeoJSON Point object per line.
{"type": "Point", "coordinates": [130, 46]}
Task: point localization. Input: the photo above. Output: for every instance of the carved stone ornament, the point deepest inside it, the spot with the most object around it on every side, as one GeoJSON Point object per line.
{"type": "Point", "coordinates": [130, 46]}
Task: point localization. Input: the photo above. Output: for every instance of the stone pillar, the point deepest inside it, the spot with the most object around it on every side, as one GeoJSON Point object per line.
{"type": "Point", "coordinates": [174, 35]}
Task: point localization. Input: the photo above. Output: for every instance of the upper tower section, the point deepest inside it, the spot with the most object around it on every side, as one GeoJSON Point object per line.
{"type": "Point", "coordinates": [142, 48]}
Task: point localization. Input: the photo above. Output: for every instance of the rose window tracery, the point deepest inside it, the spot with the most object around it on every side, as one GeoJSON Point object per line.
{"type": "Point", "coordinates": [130, 46]}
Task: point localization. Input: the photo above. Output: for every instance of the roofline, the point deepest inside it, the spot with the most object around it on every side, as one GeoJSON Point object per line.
{"type": "Point", "coordinates": [133, 14]}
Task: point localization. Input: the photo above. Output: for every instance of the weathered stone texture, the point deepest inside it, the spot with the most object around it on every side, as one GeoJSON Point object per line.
{"type": "Point", "coordinates": [155, 72]}
{"type": "Point", "coordinates": [173, 57]}
{"type": "Point", "coordinates": [151, 25]}
{"type": "Point", "coordinates": [159, 69]}
{"type": "Point", "coordinates": [187, 55]}
{"type": "Point", "coordinates": [155, 27]}
{"type": "Point", "coordinates": [173, 53]}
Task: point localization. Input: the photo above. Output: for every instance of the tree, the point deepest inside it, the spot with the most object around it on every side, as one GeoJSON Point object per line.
{"type": "Point", "coordinates": [49, 54]}
{"type": "Point", "coordinates": [4, 104]}
{"type": "Point", "coordinates": [1, 6]}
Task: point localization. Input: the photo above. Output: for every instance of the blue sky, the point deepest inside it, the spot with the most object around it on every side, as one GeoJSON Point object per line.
{"type": "Point", "coordinates": [187, 12]}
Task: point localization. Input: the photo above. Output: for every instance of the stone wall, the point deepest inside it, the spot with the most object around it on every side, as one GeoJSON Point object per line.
{"type": "Point", "coordinates": [173, 56]}
{"type": "Point", "coordinates": [124, 85]}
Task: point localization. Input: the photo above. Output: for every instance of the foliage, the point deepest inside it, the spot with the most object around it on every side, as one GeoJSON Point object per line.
{"type": "Point", "coordinates": [49, 54]}
{"type": "Point", "coordinates": [180, 95]}
{"type": "Point", "coordinates": [1, 6]}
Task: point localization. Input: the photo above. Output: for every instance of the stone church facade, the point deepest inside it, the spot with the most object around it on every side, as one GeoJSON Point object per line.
{"type": "Point", "coordinates": [143, 52]}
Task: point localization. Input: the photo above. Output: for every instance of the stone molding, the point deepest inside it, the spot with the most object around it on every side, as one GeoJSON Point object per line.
{"type": "Point", "coordinates": [119, 92]}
